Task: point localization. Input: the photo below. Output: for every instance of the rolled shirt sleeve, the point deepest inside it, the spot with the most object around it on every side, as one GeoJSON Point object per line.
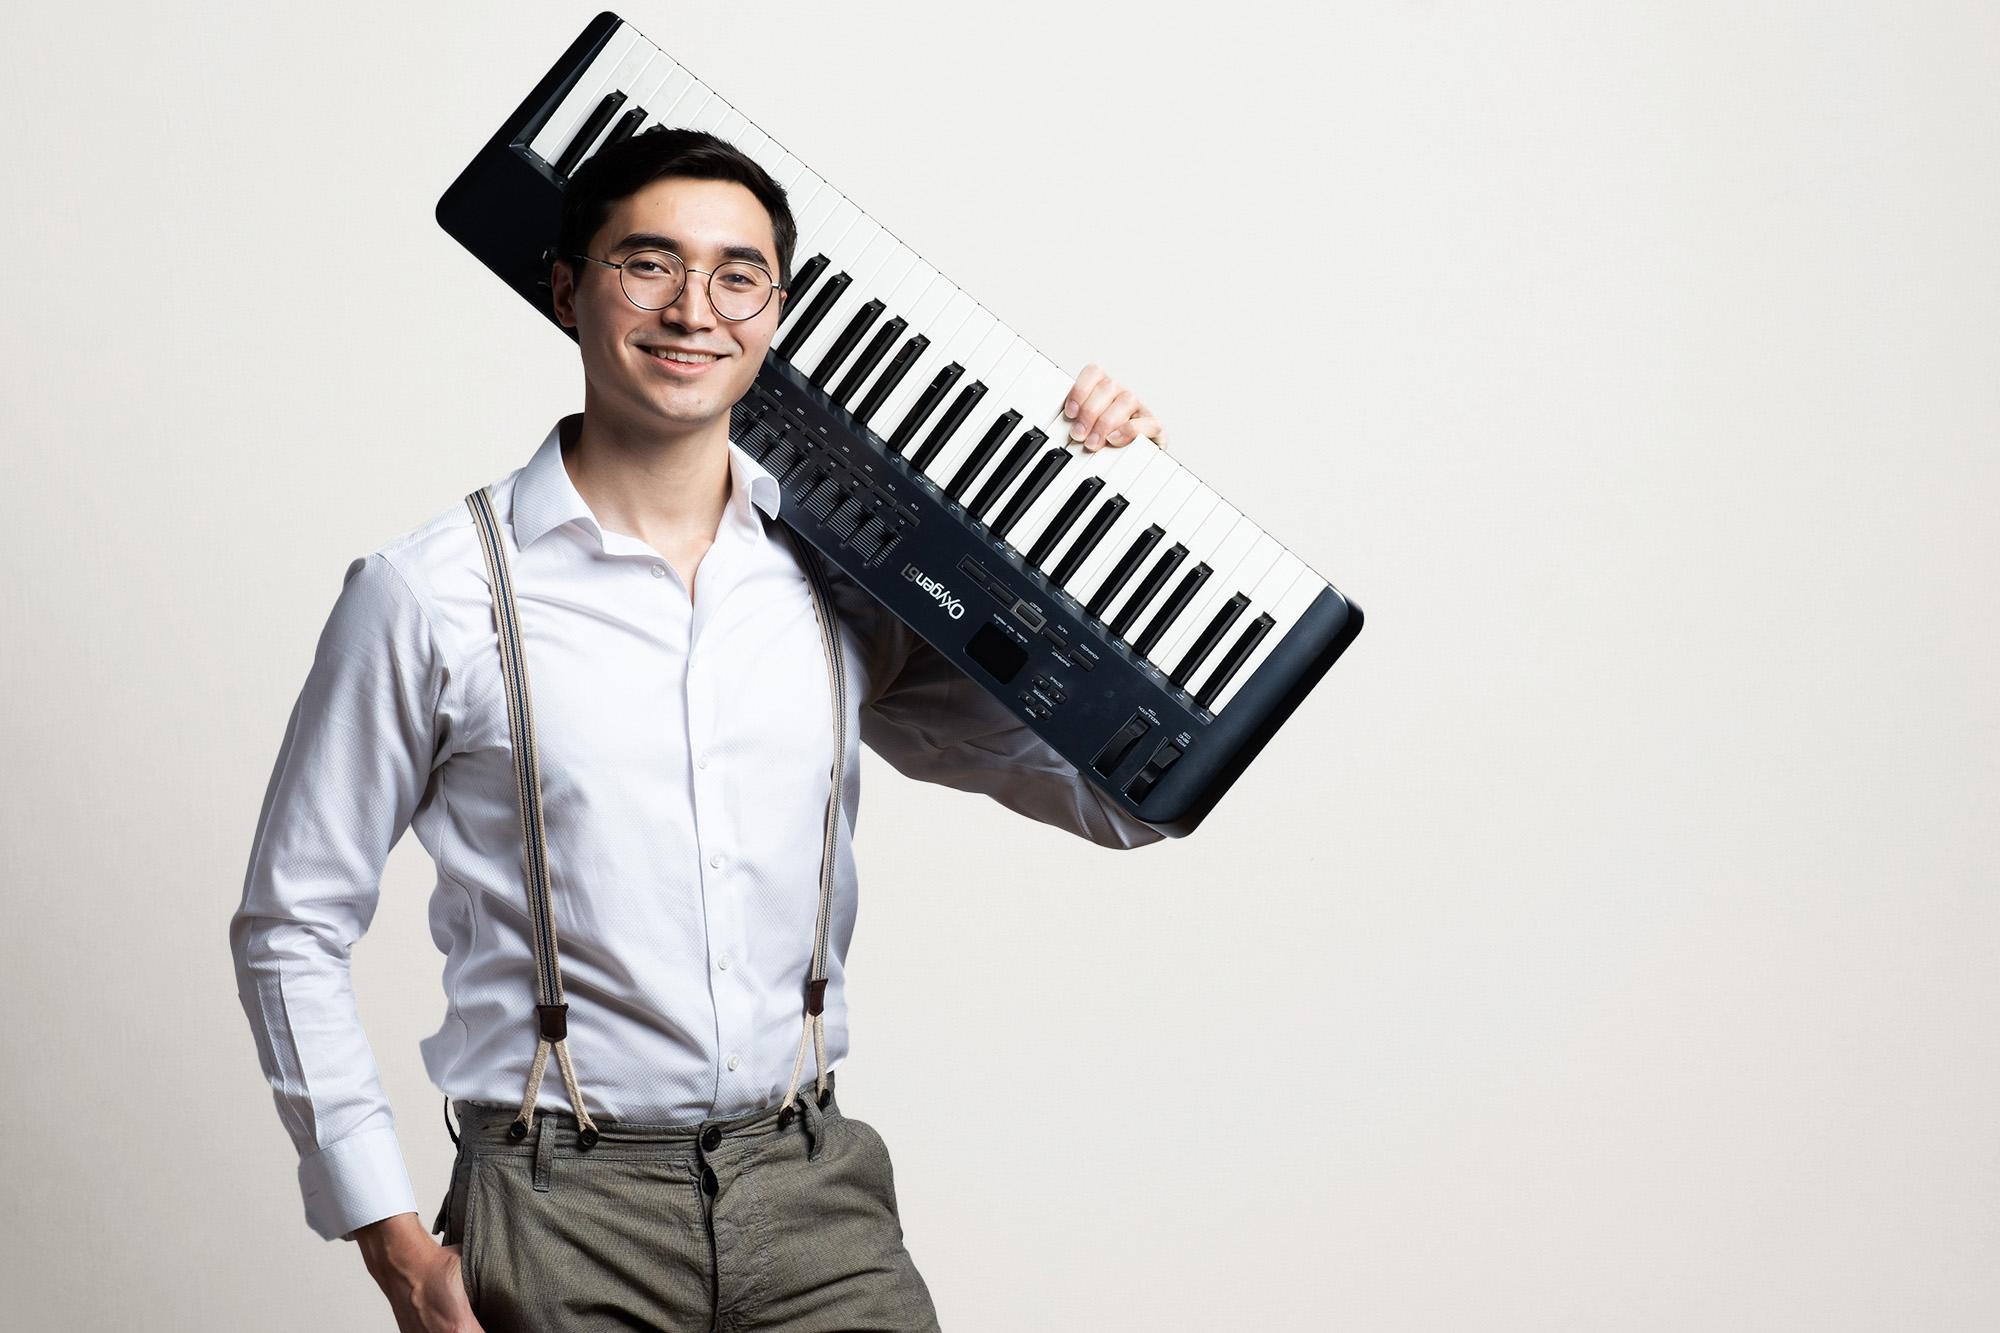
{"type": "Point", "coordinates": [356, 759]}
{"type": "Point", "coordinates": [933, 723]}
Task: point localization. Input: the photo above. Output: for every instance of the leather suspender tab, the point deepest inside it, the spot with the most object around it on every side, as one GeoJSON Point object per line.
{"type": "Point", "coordinates": [555, 1020]}
{"type": "Point", "coordinates": [816, 996]}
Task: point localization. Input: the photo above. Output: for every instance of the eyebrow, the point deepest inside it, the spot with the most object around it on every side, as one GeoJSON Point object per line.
{"type": "Point", "coordinates": [652, 240]}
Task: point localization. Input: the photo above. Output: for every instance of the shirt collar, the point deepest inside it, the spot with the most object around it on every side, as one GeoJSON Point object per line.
{"type": "Point", "coordinates": [545, 498]}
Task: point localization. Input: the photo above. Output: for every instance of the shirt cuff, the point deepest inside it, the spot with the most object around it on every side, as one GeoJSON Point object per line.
{"type": "Point", "coordinates": [359, 1180]}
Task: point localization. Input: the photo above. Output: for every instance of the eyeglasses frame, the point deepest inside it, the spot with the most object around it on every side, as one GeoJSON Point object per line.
{"type": "Point", "coordinates": [708, 289]}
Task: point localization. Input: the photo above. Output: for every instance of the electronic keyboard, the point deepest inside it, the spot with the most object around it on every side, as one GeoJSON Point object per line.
{"type": "Point", "coordinates": [1151, 633]}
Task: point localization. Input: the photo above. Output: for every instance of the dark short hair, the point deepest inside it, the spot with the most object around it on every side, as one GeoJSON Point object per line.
{"type": "Point", "coordinates": [626, 167]}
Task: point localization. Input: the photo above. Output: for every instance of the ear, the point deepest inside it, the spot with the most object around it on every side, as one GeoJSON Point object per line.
{"type": "Point", "coordinates": [562, 287]}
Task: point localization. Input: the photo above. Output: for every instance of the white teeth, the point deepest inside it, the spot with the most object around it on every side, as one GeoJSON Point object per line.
{"type": "Point", "coordinates": [690, 358]}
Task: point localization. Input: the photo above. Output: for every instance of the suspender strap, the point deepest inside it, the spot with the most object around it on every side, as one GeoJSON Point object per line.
{"type": "Point", "coordinates": [551, 1011]}
{"type": "Point", "coordinates": [836, 683]}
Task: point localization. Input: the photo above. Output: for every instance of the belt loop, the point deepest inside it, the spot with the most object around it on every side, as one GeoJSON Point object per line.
{"type": "Point", "coordinates": [814, 1123]}
{"type": "Point", "coordinates": [545, 1150]}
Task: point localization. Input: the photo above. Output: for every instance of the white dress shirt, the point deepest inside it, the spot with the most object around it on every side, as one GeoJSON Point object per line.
{"type": "Point", "coordinates": [686, 749]}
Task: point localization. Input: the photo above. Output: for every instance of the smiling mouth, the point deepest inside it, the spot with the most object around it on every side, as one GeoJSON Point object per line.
{"type": "Point", "coordinates": [681, 358]}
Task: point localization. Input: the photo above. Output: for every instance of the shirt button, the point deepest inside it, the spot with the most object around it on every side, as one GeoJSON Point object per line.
{"type": "Point", "coordinates": [735, 1060]}
{"type": "Point", "coordinates": [715, 862]}
{"type": "Point", "coordinates": [723, 962]}
{"type": "Point", "coordinates": [659, 571]}
{"type": "Point", "coordinates": [701, 761]}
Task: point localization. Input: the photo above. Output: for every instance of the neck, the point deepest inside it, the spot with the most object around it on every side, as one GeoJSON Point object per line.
{"type": "Point", "coordinates": [666, 488]}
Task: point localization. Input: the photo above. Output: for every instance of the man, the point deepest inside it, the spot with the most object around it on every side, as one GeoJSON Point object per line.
{"type": "Point", "coordinates": [679, 704]}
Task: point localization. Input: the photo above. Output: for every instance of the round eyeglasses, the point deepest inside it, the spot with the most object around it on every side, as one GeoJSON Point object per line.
{"type": "Point", "coordinates": [654, 280]}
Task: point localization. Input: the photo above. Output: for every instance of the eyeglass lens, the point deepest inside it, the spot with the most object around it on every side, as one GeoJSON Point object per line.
{"type": "Point", "coordinates": [653, 279]}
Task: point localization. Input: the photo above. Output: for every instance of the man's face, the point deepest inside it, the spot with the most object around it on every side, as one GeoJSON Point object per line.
{"type": "Point", "coordinates": [706, 223]}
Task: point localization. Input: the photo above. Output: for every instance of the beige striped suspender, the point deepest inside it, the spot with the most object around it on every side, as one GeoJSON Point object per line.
{"type": "Point", "coordinates": [552, 1012]}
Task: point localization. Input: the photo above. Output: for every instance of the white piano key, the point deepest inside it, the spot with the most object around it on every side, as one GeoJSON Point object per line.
{"type": "Point", "coordinates": [1240, 562]}
{"type": "Point", "coordinates": [712, 114]}
{"type": "Point", "coordinates": [733, 128]}
{"type": "Point", "coordinates": [897, 284]}
{"type": "Point", "coordinates": [674, 99]}
{"type": "Point", "coordinates": [947, 331]}
{"type": "Point", "coordinates": [1135, 490]}
{"type": "Point", "coordinates": [1203, 547]}
{"type": "Point", "coordinates": [1029, 395]}
{"type": "Point", "coordinates": [825, 223]}
{"type": "Point", "coordinates": [689, 109]}
{"type": "Point", "coordinates": [881, 260]}
{"type": "Point", "coordinates": [1295, 603]}
{"type": "Point", "coordinates": [1228, 538]}
{"type": "Point", "coordinates": [1109, 465]}
{"type": "Point", "coordinates": [1145, 489]}
{"type": "Point", "coordinates": [762, 149]}
{"type": "Point", "coordinates": [815, 237]}
{"type": "Point", "coordinates": [1005, 370]}
{"type": "Point", "coordinates": [1159, 492]}
{"type": "Point", "coordinates": [805, 185]}
{"type": "Point", "coordinates": [843, 236]}
{"type": "Point", "coordinates": [916, 282]}
{"type": "Point", "coordinates": [1287, 573]}
{"type": "Point", "coordinates": [584, 95]}
{"type": "Point", "coordinates": [1038, 397]}
{"type": "Point", "coordinates": [999, 354]}
{"type": "Point", "coordinates": [943, 329]}
{"type": "Point", "coordinates": [839, 230]}
{"type": "Point", "coordinates": [964, 348]}
{"type": "Point", "coordinates": [1181, 528]}
{"type": "Point", "coordinates": [646, 93]}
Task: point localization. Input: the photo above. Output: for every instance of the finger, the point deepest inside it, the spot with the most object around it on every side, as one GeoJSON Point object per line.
{"type": "Point", "coordinates": [1092, 410]}
{"type": "Point", "coordinates": [1115, 412]}
{"type": "Point", "coordinates": [1086, 380]}
{"type": "Point", "coordinates": [1142, 424]}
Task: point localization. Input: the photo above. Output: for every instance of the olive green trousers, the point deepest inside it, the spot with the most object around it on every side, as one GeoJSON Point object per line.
{"type": "Point", "coordinates": [725, 1225]}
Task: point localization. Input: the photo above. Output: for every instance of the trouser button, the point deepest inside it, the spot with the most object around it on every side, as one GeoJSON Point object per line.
{"type": "Point", "coordinates": [710, 1138]}
{"type": "Point", "coordinates": [708, 1185]}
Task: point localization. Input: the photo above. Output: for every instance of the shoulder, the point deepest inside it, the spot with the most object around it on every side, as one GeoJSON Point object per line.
{"type": "Point", "coordinates": [441, 567]}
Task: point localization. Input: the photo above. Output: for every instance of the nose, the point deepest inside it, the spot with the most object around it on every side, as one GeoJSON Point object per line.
{"type": "Point", "coordinates": [691, 309]}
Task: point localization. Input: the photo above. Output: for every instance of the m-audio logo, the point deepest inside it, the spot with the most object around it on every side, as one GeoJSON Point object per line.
{"type": "Point", "coordinates": [941, 594]}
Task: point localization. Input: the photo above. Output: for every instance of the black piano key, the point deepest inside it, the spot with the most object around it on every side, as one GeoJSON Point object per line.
{"type": "Point", "coordinates": [1171, 609]}
{"type": "Point", "coordinates": [1065, 518]}
{"type": "Point", "coordinates": [982, 453]}
{"type": "Point", "coordinates": [623, 130]}
{"type": "Point", "coordinates": [864, 320]}
{"type": "Point", "coordinates": [871, 356]}
{"type": "Point", "coordinates": [890, 378]}
{"type": "Point", "coordinates": [1148, 588]}
{"type": "Point", "coordinates": [948, 424]}
{"type": "Point", "coordinates": [1087, 540]}
{"type": "Point", "coordinates": [802, 282]}
{"type": "Point", "coordinates": [1031, 490]}
{"type": "Point", "coordinates": [1211, 636]}
{"type": "Point", "coordinates": [599, 117]}
{"type": "Point", "coordinates": [815, 312]}
{"type": "Point", "coordinates": [1128, 564]}
{"type": "Point", "coordinates": [926, 404]}
{"type": "Point", "coordinates": [1232, 661]}
{"type": "Point", "coordinates": [1004, 476]}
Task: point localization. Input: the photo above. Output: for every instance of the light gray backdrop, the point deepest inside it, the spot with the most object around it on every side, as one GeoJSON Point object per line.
{"type": "Point", "coordinates": [1608, 944]}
